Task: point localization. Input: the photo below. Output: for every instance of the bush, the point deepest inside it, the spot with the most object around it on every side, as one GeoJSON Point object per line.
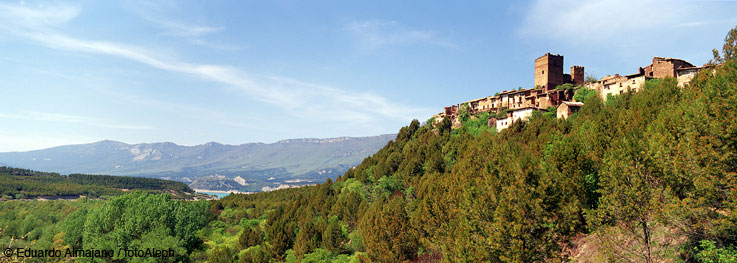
{"type": "Point", "coordinates": [478, 124]}
{"type": "Point", "coordinates": [132, 219]}
{"type": "Point", "coordinates": [708, 253]}
{"type": "Point", "coordinates": [250, 236]}
{"type": "Point", "coordinates": [430, 122]}
{"type": "Point", "coordinates": [221, 255]}
{"type": "Point", "coordinates": [567, 86]}
{"type": "Point", "coordinates": [501, 114]}
{"type": "Point", "coordinates": [464, 113]}
{"type": "Point", "coordinates": [583, 93]}
{"type": "Point", "coordinates": [551, 112]}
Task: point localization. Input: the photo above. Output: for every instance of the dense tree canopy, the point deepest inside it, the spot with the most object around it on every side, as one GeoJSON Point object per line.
{"type": "Point", "coordinates": [141, 221]}
{"type": "Point", "coordinates": [21, 183]}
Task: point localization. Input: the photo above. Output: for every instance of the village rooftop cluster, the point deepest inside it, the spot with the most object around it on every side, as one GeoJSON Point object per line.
{"type": "Point", "coordinates": [550, 91]}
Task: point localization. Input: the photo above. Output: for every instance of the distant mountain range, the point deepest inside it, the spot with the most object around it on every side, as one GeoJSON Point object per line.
{"type": "Point", "coordinates": [247, 167]}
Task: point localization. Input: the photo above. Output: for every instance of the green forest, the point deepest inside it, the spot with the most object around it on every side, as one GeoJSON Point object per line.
{"type": "Point", "coordinates": [22, 183]}
{"type": "Point", "coordinates": [641, 177]}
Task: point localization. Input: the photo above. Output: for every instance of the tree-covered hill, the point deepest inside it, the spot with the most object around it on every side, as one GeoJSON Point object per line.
{"type": "Point", "coordinates": [21, 183]}
{"type": "Point", "coordinates": [643, 177]}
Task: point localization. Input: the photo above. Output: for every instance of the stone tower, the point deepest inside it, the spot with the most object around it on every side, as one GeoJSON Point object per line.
{"type": "Point", "coordinates": [577, 75]}
{"type": "Point", "coordinates": [549, 71]}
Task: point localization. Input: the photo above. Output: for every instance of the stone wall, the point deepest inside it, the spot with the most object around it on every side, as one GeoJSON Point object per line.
{"type": "Point", "coordinates": [685, 75]}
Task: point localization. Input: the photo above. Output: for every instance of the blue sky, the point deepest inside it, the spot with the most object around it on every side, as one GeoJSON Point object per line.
{"type": "Point", "coordinates": [235, 72]}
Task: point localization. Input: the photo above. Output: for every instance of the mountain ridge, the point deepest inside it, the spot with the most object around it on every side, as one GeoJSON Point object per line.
{"type": "Point", "coordinates": [310, 159]}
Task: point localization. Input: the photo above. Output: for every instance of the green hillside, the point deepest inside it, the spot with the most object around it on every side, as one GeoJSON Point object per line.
{"type": "Point", "coordinates": [21, 183]}
{"type": "Point", "coordinates": [643, 177]}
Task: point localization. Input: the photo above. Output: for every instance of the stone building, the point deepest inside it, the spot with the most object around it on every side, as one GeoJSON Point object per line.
{"type": "Point", "coordinates": [549, 72]}
{"type": "Point", "coordinates": [661, 68]}
{"type": "Point", "coordinates": [502, 124]}
{"type": "Point", "coordinates": [567, 108]}
{"type": "Point", "coordinates": [451, 110]}
{"type": "Point", "coordinates": [548, 75]}
{"type": "Point", "coordinates": [684, 75]}
{"type": "Point", "coordinates": [617, 85]}
{"type": "Point", "coordinates": [665, 68]}
{"type": "Point", "coordinates": [514, 116]}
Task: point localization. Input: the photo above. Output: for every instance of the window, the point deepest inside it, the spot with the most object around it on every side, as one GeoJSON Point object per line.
{"type": "Point", "coordinates": [620, 84]}
{"type": "Point", "coordinates": [543, 72]}
{"type": "Point", "coordinates": [633, 81]}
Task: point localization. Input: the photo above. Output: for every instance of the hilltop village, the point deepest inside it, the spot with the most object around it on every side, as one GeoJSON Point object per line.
{"type": "Point", "coordinates": [554, 88]}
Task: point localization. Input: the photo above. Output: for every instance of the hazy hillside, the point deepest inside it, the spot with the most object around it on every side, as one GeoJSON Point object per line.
{"type": "Point", "coordinates": [245, 167]}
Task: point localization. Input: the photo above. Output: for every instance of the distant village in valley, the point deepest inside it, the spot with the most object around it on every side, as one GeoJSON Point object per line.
{"type": "Point", "coordinates": [554, 88]}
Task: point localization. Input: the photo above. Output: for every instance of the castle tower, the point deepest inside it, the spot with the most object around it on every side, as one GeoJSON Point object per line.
{"type": "Point", "coordinates": [549, 71]}
{"type": "Point", "coordinates": [577, 75]}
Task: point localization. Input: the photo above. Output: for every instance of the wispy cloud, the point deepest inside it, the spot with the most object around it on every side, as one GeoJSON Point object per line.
{"type": "Point", "coordinates": [374, 34]}
{"type": "Point", "coordinates": [196, 34]}
{"type": "Point", "coordinates": [41, 17]}
{"type": "Point", "coordinates": [187, 110]}
{"type": "Point", "coordinates": [186, 30]}
{"type": "Point", "coordinates": [67, 118]}
{"type": "Point", "coordinates": [295, 97]}
{"type": "Point", "coordinates": [610, 20]}
{"type": "Point", "coordinates": [706, 22]}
